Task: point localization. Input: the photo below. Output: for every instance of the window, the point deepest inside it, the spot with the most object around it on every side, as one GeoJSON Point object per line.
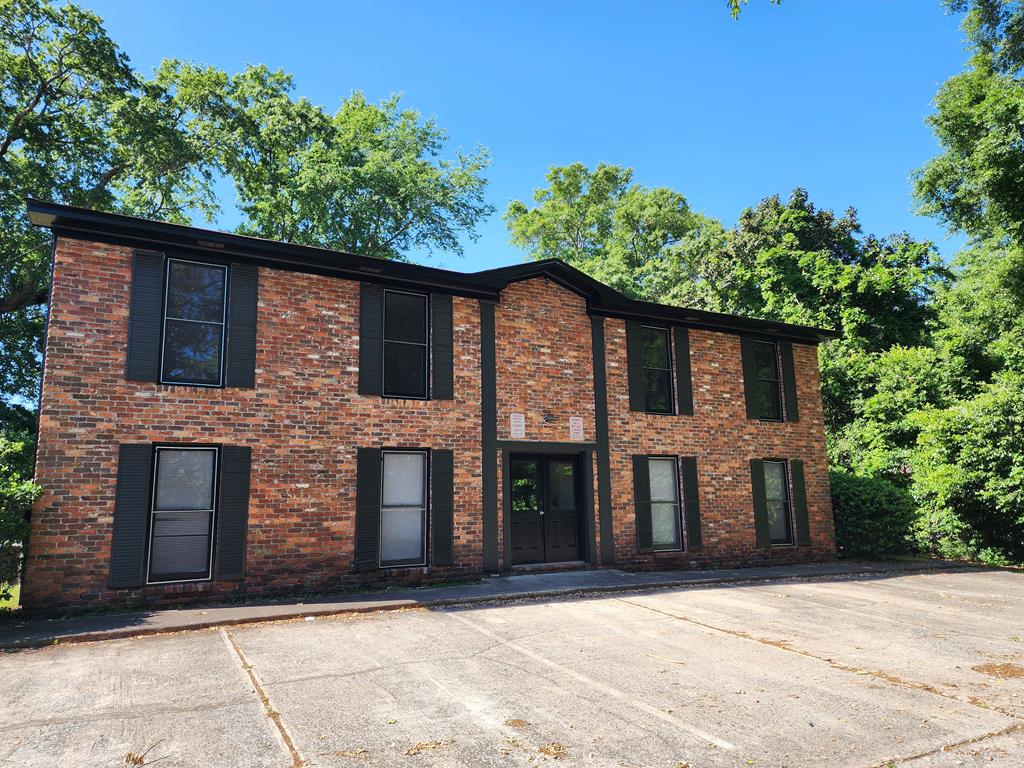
{"type": "Point", "coordinates": [194, 320]}
{"type": "Point", "coordinates": [181, 520]}
{"type": "Point", "coordinates": [403, 512]}
{"type": "Point", "coordinates": [657, 363]}
{"type": "Point", "coordinates": [665, 526]}
{"type": "Point", "coordinates": [776, 492]}
{"type": "Point", "coordinates": [768, 383]}
{"type": "Point", "coordinates": [405, 345]}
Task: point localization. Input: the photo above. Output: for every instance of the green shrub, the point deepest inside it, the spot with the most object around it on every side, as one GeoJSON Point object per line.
{"type": "Point", "coordinates": [874, 517]}
{"type": "Point", "coordinates": [17, 493]}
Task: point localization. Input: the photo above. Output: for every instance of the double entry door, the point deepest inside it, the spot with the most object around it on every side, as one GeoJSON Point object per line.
{"type": "Point", "coordinates": [545, 508]}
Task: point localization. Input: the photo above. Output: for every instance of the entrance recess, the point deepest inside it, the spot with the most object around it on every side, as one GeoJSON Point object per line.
{"type": "Point", "coordinates": [545, 508]}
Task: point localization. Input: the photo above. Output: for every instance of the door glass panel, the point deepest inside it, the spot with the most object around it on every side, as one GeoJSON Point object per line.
{"type": "Point", "coordinates": [523, 481]}
{"type": "Point", "coordinates": [563, 485]}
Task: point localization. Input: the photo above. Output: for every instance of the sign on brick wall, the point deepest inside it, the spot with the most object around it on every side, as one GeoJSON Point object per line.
{"type": "Point", "coordinates": [575, 427]}
{"type": "Point", "coordinates": [517, 426]}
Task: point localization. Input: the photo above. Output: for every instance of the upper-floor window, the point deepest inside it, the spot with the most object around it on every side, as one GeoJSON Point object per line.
{"type": "Point", "coordinates": [657, 364]}
{"type": "Point", "coordinates": [769, 382]}
{"type": "Point", "coordinates": [193, 323]}
{"type": "Point", "coordinates": [405, 345]}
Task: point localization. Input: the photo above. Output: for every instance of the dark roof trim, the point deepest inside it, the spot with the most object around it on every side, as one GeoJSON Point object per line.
{"type": "Point", "coordinates": [83, 223]}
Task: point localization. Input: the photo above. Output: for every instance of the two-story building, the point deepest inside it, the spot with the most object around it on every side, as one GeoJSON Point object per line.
{"type": "Point", "coordinates": [224, 415]}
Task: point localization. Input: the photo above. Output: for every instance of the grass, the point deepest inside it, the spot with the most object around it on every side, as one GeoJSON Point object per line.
{"type": "Point", "coordinates": [10, 603]}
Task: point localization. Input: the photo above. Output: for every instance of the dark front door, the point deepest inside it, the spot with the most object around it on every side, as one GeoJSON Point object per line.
{"type": "Point", "coordinates": [545, 509]}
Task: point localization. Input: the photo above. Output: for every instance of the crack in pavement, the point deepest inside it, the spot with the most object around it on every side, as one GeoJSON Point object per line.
{"type": "Point", "coordinates": [275, 717]}
{"type": "Point", "coordinates": [785, 646]}
{"type": "Point", "coordinates": [1014, 728]}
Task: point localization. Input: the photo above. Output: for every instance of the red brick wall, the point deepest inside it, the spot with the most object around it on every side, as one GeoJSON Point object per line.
{"type": "Point", "coordinates": [545, 366]}
{"type": "Point", "coordinates": [303, 421]}
{"type": "Point", "coordinates": [724, 441]}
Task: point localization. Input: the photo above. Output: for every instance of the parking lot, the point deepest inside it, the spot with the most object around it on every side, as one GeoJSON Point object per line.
{"type": "Point", "coordinates": [922, 669]}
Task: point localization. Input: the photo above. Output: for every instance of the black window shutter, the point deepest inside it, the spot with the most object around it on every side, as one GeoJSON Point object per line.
{"type": "Point", "coordinates": [442, 505]}
{"type": "Point", "coordinates": [371, 339]}
{"type": "Point", "coordinates": [761, 529]}
{"type": "Point", "coordinates": [642, 501]}
{"type": "Point", "coordinates": [789, 381]}
{"type": "Point", "coordinates": [131, 516]}
{"type": "Point", "coordinates": [749, 376]}
{"type": "Point", "coordinates": [635, 367]}
{"type": "Point", "coordinates": [233, 511]}
{"type": "Point", "coordinates": [145, 315]}
{"type": "Point", "coordinates": [691, 502]}
{"type": "Point", "coordinates": [803, 523]}
{"type": "Point", "coordinates": [243, 298]}
{"type": "Point", "coordinates": [684, 384]}
{"type": "Point", "coordinates": [442, 347]}
{"type": "Point", "coordinates": [368, 482]}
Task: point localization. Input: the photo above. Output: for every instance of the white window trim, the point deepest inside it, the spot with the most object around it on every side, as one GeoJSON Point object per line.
{"type": "Point", "coordinates": [678, 502]}
{"type": "Point", "coordinates": [223, 325]}
{"type": "Point", "coordinates": [153, 510]}
{"type": "Point", "coordinates": [424, 514]}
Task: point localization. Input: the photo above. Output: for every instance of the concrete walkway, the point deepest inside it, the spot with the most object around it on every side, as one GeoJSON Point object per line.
{"type": "Point", "coordinates": [41, 632]}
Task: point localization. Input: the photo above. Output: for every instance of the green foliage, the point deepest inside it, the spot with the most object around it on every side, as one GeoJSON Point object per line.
{"type": "Point", "coordinates": [619, 232]}
{"type": "Point", "coordinates": [735, 6]}
{"type": "Point", "coordinates": [969, 474]}
{"type": "Point", "coordinates": [874, 518]}
{"type": "Point", "coordinates": [16, 496]}
{"type": "Point", "coordinates": [370, 179]}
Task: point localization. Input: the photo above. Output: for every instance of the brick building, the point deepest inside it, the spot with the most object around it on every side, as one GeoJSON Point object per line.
{"type": "Point", "coordinates": [225, 416]}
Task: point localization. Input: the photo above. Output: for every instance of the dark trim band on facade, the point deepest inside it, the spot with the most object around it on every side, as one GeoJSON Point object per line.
{"type": "Point", "coordinates": [489, 436]}
{"type": "Point", "coordinates": [82, 223]}
{"type": "Point", "coordinates": [604, 468]}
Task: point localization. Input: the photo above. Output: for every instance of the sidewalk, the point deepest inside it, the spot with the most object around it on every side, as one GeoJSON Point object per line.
{"type": "Point", "coordinates": [42, 632]}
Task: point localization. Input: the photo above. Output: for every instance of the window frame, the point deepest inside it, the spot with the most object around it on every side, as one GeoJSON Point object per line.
{"type": "Point", "coordinates": [424, 512]}
{"type": "Point", "coordinates": [223, 322]}
{"type": "Point", "coordinates": [780, 399]}
{"type": "Point", "coordinates": [426, 344]}
{"type": "Point", "coordinates": [151, 517]}
{"type": "Point", "coordinates": [680, 523]}
{"type": "Point", "coordinates": [670, 370]}
{"type": "Point", "coordinates": [787, 480]}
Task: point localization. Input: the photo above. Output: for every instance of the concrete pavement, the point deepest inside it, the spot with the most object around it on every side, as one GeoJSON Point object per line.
{"type": "Point", "coordinates": [30, 633]}
{"type": "Point", "coordinates": [854, 671]}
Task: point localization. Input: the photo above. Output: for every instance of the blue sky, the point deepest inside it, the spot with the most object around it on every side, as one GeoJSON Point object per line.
{"type": "Point", "coordinates": [831, 96]}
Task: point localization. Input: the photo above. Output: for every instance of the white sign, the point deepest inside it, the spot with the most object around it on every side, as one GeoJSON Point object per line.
{"type": "Point", "coordinates": [575, 427]}
{"type": "Point", "coordinates": [517, 425]}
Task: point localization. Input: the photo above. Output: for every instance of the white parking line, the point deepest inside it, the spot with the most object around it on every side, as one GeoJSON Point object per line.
{"type": "Point", "coordinates": [596, 684]}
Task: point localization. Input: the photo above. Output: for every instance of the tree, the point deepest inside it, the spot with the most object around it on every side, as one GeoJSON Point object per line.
{"type": "Point", "coordinates": [16, 497]}
{"type": "Point", "coordinates": [77, 125]}
{"type": "Point", "coordinates": [369, 179]}
{"type": "Point", "coordinates": [975, 183]}
{"type": "Point", "coordinates": [600, 222]}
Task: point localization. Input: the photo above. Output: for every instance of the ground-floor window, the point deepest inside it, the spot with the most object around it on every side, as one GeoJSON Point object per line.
{"type": "Point", "coordinates": [403, 512]}
{"type": "Point", "coordinates": [665, 517]}
{"type": "Point", "coordinates": [777, 502]}
{"type": "Point", "coordinates": [182, 513]}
